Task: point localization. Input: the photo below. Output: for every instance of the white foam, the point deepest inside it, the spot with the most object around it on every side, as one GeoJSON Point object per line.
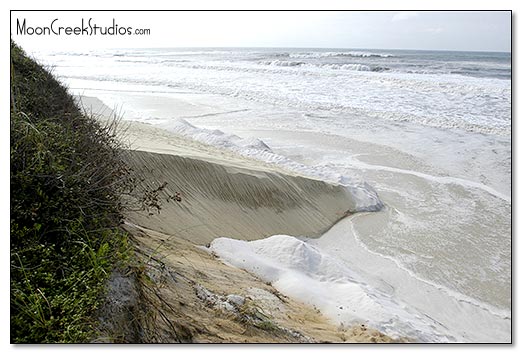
{"type": "Point", "coordinates": [356, 67]}
{"type": "Point", "coordinates": [449, 101]}
{"type": "Point", "coordinates": [281, 62]}
{"type": "Point", "coordinates": [365, 197]}
{"type": "Point", "coordinates": [289, 63]}
{"type": "Point", "coordinates": [467, 319]}
{"type": "Point", "coordinates": [214, 137]}
{"type": "Point", "coordinates": [306, 273]}
{"type": "Point", "coordinates": [437, 179]}
{"type": "Point", "coordinates": [339, 54]}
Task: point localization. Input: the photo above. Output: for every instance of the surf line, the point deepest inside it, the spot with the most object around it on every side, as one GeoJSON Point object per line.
{"type": "Point", "coordinates": [459, 297]}
{"type": "Point", "coordinates": [438, 179]}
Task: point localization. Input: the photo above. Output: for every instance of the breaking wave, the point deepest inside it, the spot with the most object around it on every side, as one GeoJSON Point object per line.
{"type": "Point", "coordinates": [355, 67]}
{"type": "Point", "coordinates": [340, 54]}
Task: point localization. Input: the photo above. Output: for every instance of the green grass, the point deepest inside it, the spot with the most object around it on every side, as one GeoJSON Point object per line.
{"type": "Point", "coordinates": [67, 179]}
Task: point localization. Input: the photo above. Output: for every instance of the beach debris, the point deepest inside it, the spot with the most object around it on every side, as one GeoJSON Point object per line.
{"type": "Point", "coordinates": [246, 311]}
{"type": "Point", "coordinates": [230, 303]}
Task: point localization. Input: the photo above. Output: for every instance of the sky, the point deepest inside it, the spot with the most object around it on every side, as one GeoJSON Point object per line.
{"type": "Point", "coordinates": [443, 30]}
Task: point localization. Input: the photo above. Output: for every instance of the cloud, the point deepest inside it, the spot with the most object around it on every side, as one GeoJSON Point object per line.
{"type": "Point", "coordinates": [404, 15]}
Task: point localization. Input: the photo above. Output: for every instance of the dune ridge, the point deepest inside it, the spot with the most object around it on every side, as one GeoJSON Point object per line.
{"type": "Point", "coordinates": [224, 193]}
{"type": "Point", "coordinates": [239, 202]}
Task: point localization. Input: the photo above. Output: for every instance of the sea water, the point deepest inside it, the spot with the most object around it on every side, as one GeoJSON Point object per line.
{"type": "Point", "coordinates": [429, 131]}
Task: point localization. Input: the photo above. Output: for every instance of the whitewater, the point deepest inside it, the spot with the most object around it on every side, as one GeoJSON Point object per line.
{"type": "Point", "coordinates": [422, 140]}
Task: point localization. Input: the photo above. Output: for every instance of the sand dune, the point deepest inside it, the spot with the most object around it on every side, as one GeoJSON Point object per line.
{"type": "Point", "coordinates": [238, 202]}
{"type": "Point", "coordinates": [223, 193]}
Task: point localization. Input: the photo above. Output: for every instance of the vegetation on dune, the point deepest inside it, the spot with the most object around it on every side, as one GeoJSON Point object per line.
{"type": "Point", "coordinates": [68, 176]}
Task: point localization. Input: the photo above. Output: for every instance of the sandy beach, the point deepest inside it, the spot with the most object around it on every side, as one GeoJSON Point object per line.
{"type": "Point", "coordinates": [224, 194]}
{"type": "Point", "coordinates": [231, 191]}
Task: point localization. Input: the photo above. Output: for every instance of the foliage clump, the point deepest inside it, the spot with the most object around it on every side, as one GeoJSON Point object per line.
{"type": "Point", "coordinates": [68, 175]}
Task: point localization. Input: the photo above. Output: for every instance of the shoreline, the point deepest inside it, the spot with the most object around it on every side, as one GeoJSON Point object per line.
{"type": "Point", "coordinates": [253, 198]}
{"type": "Point", "coordinates": [223, 194]}
{"type": "Point", "coordinates": [155, 140]}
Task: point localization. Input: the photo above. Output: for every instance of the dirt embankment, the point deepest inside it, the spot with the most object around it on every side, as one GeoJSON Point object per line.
{"type": "Point", "coordinates": [182, 293]}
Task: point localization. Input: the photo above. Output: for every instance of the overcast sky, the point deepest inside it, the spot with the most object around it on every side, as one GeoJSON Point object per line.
{"type": "Point", "coordinates": [481, 31]}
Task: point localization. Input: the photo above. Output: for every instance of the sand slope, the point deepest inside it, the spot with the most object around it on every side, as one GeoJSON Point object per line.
{"type": "Point", "coordinates": [238, 202]}
{"type": "Point", "coordinates": [223, 193]}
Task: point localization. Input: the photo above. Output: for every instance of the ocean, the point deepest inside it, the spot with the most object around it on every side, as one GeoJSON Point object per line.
{"type": "Point", "coordinates": [429, 131]}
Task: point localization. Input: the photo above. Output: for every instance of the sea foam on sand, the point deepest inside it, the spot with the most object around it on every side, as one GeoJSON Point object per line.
{"type": "Point", "coordinates": [365, 197]}
{"type": "Point", "coordinates": [304, 272]}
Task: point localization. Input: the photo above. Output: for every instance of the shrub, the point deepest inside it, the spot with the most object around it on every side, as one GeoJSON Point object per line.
{"type": "Point", "coordinates": [67, 178]}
